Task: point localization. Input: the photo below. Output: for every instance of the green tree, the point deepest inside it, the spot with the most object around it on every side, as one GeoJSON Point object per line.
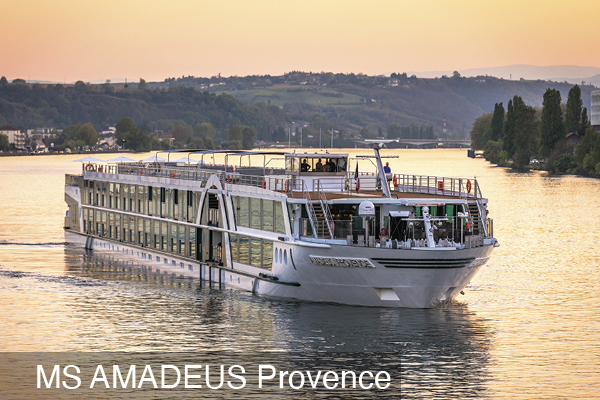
{"type": "Point", "coordinates": [209, 144]}
{"type": "Point", "coordinates": [508, 141]}
{"type": "Point", "coordinates": [196, 143]}
{"type": "Point", "coordinates": [3, 81]}
{"type": "Point", "coordinates": [19, 80]}
{"type": "Point", "coordinates": [478, 130]}
{"type": "Point", "coordinates": [248, 138]}
{"type": "Point", "coordinates": [526, 132]}
{"type": "Point", "coordinates": [126, 131]}
{"type": "Point", "coordinates": [585, 123]}
{"type": "Point", "coordinates": [204, 130]}
{"type": "Point", "coordinates": [124, 125]}
{"type": "Point", "coordinates": [497, 122]}
{"type": "Point", "coordinates": [181, 133]}
{"type": "Point", "coordinates": [142, 84]}
{"type": "Point", "coordinates": [574, 109]}
{"type": "Point", "coordinates": [236, 133]}
{"type": "Point", "coordinates": [4, 145]}
{"type": "Point", "coordinates": [87, 134]}
{"type": "Point", "coordinates": [552, 128]}
{"type": "Point", "coordinates": [589, 142]}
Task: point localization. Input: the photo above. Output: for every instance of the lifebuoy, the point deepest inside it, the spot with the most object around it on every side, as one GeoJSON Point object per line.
{"type": "Point", "coordinates": [100, 168]}
{"type": "Point", "coordinates": [357, 185]}
{"type": "Point", "coordinates": [469, 186]}
{"type": "Point", "coordinates": [395, 181]}
{"type": "Point", "coordinates": [264, 184]}
{"type": "Point", "coordinates": [89, 167]}
{"type": "Point", "coordinates": [172, 174]}
{"type": "Point", "coordinates": [287, 186]}
{"type": "Point", "coordinates": [228, 178]}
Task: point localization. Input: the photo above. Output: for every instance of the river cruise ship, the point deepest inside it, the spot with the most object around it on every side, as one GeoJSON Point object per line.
{"type": "Point", "coordinates": [298, 225]}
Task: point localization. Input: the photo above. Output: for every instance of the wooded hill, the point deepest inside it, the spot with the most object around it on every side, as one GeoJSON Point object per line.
{"type": "Point", "coordinates": [349, 102]}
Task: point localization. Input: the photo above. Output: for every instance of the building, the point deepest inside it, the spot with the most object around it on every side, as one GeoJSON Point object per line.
{"type": "Point", "coordinates": [15, 136]}
{"type": "Point", "coordinates": [595, 113]}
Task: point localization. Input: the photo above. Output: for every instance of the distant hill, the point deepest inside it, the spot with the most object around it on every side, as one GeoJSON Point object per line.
{"type": "Point", "coordinates": [559, 73]}
{"type": "Point", "coordinates": [348, 102]}
{"type": "Point", "coordinates": [355, 101]}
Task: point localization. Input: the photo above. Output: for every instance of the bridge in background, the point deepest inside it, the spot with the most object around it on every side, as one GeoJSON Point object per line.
{"type": "Point", "coordinates": [427, 142]}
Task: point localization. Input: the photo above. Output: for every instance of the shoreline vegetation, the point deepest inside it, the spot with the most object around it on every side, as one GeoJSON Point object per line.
{"type": "Point", "coordinates": [557, 137]}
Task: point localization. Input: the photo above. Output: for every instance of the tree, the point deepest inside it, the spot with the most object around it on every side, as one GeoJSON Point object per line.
{"type": "Point", "coordinates": [585, 123]}
{"type": "Point", "coordinates": [497, 122]}
{"type": "Point", "coordinates": [552, 128]}
{"type": "Point", "coordinates": [126, 131]}
{"type": "Point", "coordinates": [142, 84]}
{"type": "Point", "coordinates": [235, 133]}
{"type": "Point", "coordinates": [508, 142]}
{"type": "Point", "coordinates": [124, 126]}
{"type": "Point", "coordinates": [478, 130]}
{"type": "Point", "coordinates": [204, 129]}
{"type": "Point", "coordinates": [574, 109]}
{"type": "Point", "coordinates": [209, 144]}
{"type": "Point", "coordinates": [3, 81]}
{"type": "Point", "coordinates": [4, 145]}
{"type": "Point", "coordinates": [590, 141]}
{"type": "Point", "coordinates": [248, 138]}
{"type": "Point", "coordinates": [181, 133]}
{"type": "Point", "coordinates": [87, 134]}
{"type": "Point", "coordinates": [19, 80]}
{"type": "Point", "coordinates": [196, 143]}
{"type": "Point", "coordinates": [526, 131]}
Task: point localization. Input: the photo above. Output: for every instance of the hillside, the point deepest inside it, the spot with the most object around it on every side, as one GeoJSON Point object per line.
{"type": "Point", "coordinates": [348, 102]}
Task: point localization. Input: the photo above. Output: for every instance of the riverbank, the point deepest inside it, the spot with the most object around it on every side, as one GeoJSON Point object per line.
{"type": "Point", "coordinates": [26, 153]}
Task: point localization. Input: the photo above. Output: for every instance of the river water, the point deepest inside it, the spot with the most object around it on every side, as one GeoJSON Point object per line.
{"type": "Point", "coordinates": [528, 325]}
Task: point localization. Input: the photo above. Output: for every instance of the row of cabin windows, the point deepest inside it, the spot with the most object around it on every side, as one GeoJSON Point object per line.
{"type": "Point", "coordinates": [167, 203]}
{"type": "Point", "coordinates": [256, 213]}
{"type": "Point", "coordinates": [160, 235]}
{"type": "Point", "coordinates": [255, 252]}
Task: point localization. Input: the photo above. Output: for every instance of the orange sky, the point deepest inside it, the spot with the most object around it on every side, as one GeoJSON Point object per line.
{"type": "Point", "coordinates": [155, 39]}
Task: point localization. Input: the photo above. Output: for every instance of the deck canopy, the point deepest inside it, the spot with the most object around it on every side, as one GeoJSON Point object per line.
{"type": "Point", "coordinates": [267, 157]}
{"type": "Point", "coordinates": [316, 163]}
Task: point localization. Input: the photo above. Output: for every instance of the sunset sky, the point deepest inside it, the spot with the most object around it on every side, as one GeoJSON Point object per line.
{"type": "Point", "coordinates": [97, 40]}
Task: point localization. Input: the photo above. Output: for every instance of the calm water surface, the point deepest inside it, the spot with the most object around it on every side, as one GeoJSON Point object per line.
{"type": "Point", "coordinates": [528, 325]}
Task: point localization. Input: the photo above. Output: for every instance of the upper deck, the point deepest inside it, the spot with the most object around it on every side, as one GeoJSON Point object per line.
{"type": "Point", "coordinates": [317, 175]}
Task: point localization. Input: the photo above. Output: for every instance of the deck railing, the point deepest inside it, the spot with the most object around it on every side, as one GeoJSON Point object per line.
{"type": "Point", "coordinates": [367, 181]}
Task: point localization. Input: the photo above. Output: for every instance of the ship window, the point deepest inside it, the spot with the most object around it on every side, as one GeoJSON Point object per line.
{"type": "Point", "coordinates": [255, 213]}
{"type": "Point", "coordinates": [244, 250]}
{"type": "Point", "coordinates": [192, 243]}
{"type": "Point", "coordinates": [147, 232]}
{"type": "Point", "coordinates": [117, 226]}
{"type": "Point", "coordinates": [267, 215]}
{"type": "Point", "coordinates": [140, 231]}
{"type": "Point", "coordinates": [149, 190]}
{"type": "Point", "coordinates": [164, 232]}
{"type": "Point", "coordinates": [279, 222]}
{"type": "Point", "coordinates": [163, 194]}
{"type": "Point", "coordinates": [174, 237]}
{"type": "Point", "coordinates": [267, 255]}
{"type": "Point", "coordinates": [233, 241]}
{"type": "Point", "coordinates": [243, 217]}
{"type": "Point", "coordinates": [255, 259]}
{"type": "Point", "coordinates": [182, 240]}
{"type": "Point", "coordinates": [285, 257]}
{"type": "Point", "coordinates": [175, 196]}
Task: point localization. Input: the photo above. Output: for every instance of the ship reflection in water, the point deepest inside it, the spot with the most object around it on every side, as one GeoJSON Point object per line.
{"type": "Point", "coordinates": [443, 351]}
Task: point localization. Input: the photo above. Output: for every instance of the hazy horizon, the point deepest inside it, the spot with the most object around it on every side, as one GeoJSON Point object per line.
{"type": "Point", "coordinates": [67, 41]}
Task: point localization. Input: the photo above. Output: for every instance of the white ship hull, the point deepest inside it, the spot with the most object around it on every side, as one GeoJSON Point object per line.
{"type": "Point", "coordinates": [387, 278]}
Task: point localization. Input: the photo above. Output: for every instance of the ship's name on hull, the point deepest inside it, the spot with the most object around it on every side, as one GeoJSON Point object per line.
{"type": "Point", "coordinates": [342, 262]}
